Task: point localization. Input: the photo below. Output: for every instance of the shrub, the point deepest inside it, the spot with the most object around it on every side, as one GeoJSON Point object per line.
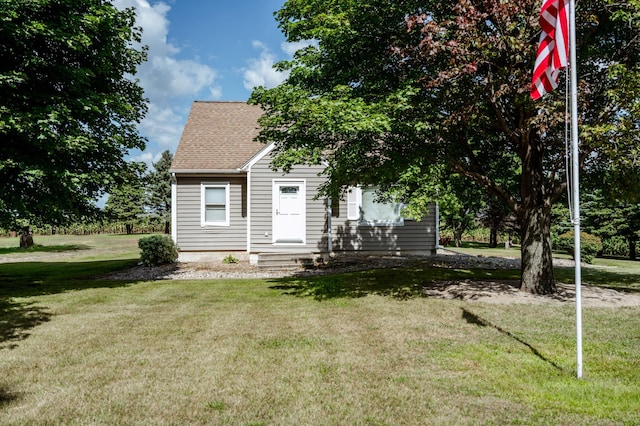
{"type": "Point", "coordinates": [615, 246]}
{"type": "Point", "coordinates": [230, 259]}
{"type": "Point", "coordinates": [590, 245]}
{"type": "Point", "coordinates": [157, 250]}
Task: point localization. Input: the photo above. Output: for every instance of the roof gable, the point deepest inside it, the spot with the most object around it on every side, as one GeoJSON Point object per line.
{"type": "Point", "coordinates": [218, 137]}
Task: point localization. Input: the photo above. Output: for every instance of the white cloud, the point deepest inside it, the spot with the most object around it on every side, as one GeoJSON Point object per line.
{"type": "Point", "coordinates": [170, 83]}
{"type": "Point", "coordinates": [164, 78]}
{"type": "Point", "coordinates": [260, 71]}
{"type": "Point", "coordinates": [145, 157]}
{"type": "Point", "coordinates": [291, 48]}
{"type": "Point", "coordinates": [163, 125]}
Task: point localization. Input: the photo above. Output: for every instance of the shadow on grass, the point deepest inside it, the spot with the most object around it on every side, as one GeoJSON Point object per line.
{"type": "Point", "coordinates": [398, 283]}
{"type": "Point", "coordinates": [7, 396]}
{"type": "Point", "coordinates": [472, 318]}
{"type": "Point", "coordinates": [16, 319]}
{"type": "Point", "coordinates": [25, 279]}
{"type": "Point", "coordinates": [46, 249]}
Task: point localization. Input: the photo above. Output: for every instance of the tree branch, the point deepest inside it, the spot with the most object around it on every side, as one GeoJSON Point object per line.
{"type": "Point", "coordinates": [489, 185]}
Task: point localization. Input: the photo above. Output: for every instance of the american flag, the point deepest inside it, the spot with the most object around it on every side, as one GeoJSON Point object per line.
{"type": "Point", "coordinates": [553, 48]}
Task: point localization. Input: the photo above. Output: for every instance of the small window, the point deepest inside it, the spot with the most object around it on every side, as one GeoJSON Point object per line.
{"type": "Point", "coordinates": [363, 206]}
{"type": "Point", "coordinates": [215, 205]}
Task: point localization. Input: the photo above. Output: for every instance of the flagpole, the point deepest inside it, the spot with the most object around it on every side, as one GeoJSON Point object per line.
{"type": "Point", "coordinates": [575, 186]}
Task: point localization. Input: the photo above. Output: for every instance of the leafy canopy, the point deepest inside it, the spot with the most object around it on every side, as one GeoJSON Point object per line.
{"type": "Point", "coordinates": [126, 202]}
{"type": "Point", "coordinates": [390, 89]}
{"type": "Point", "coordinates": [68, 106]}
{"type": "Point", "coordinates": [417, 91]}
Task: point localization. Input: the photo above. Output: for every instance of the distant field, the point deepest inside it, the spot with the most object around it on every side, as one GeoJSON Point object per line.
{"type": "Point", "coordinates": [80, 247]}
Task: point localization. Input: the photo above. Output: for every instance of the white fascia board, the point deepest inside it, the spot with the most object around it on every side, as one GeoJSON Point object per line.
{"type": "Point", "coordinates": [259, 156]}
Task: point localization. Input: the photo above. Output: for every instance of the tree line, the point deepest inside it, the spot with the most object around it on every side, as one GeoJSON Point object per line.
{"type": "Point", "coordinates": [140, 204]}
{"type": "Point", "coordinates": [145, 199]}
{"type": "Point", "coordinates": [472, 214]}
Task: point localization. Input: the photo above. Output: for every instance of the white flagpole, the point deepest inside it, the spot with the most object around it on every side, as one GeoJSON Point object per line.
{"type": "Point", "coordinates": [575, 186]}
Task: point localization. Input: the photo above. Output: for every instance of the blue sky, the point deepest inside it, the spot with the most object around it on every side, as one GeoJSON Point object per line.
{"type": "Point", "coordinates": [202, 50]}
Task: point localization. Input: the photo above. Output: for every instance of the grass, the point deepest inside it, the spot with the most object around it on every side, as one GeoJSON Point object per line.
{"type": "Point", "coordinates": [482, 249]}
{"type": "Point", "coordinates": [360, 348]}
{"type": "Point", "coordinates": [63, 262]}
{"type": "Point", "coordinates": [615, 273]}
{"type": "Point", "coordinates": [40, 248]}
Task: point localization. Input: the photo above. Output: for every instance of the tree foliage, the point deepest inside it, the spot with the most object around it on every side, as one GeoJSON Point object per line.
{"type": "Point", "coordinates": [68, 106]}
{"type": "Point", "coordinates": [126, 202]}
{"type": "Point", "coordinates": [608, 218]}
{"type": "Point", "coordinates": [423, 89]}
{"type": "Point", "coordinates": [159, 190]}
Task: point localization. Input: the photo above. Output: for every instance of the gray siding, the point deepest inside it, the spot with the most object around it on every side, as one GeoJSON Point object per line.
{"type": "Point", "coordinates": [347, 235]}
{"type": "Point", "coordinates": [191, 236]}
{"type": "Point", "coordinates": [413, 237]}
{"type": "Point", "coordinates": [416, 237]}
{"type": "Point", "coordinates": [262, 178]}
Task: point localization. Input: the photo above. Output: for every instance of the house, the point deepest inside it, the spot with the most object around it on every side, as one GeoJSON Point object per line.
{"type": "Point", "coordinates": [227, 200]}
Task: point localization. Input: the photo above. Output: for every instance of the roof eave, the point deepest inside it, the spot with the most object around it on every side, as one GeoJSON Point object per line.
{"type": "Point", "coordinates": [207, 171]}
{"type": "Point", "coordinates": [257, 157]}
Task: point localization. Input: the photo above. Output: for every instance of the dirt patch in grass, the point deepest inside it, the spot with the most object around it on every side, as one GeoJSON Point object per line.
{"type": "Point", "coordinates": [507, 291]}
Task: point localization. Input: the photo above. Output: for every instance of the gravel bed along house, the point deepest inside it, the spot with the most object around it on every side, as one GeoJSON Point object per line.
{"type": "Point", "coordinates": [341, 263]}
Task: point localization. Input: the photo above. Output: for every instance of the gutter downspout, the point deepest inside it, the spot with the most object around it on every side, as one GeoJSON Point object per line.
{"type": "Point", "coordinates": [248, 180]}
{"type": "Point", "coordinates": [437, 227]}
{"type": "Point", "coordinates": [174, 208]}
{"type": "Point", "coordinates": [329, 235]}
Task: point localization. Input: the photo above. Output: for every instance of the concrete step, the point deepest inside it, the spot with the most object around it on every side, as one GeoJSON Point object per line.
{"type": "Point", "coordinates": [284, 261]}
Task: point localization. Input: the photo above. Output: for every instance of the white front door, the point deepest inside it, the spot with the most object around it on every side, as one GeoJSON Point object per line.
{"type": "Point", "coordinates": [289, 212]}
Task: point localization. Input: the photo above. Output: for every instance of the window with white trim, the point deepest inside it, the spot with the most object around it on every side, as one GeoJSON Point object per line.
{"type": "Point", "coordinates": [215, 204]}
{"type": "Point", "coordinates": [363, 206]}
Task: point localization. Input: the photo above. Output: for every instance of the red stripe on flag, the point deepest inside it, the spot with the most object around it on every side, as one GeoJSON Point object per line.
{"type": "Point", "coordinates": [553, 48]}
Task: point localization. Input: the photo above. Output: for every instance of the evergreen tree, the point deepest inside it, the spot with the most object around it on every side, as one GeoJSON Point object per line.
{"type": "Point", "coordinates": [126, 202]}
{"type": "Point", "coordinates": [608, 218]}
{"type": "Point", "coordinates": [159, 190]}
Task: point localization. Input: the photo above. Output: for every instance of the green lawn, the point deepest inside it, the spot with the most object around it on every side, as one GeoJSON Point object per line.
{"type": "Point", "coordinates": [618, 274]}
{"type": "Point", "coordinates": [361, 348]}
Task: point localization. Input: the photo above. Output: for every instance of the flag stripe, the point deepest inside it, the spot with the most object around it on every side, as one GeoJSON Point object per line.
{"type": "Point", "coordinates": [553, 47]}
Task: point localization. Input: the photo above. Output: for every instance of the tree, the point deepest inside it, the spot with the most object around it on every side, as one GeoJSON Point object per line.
{"type": "Point", "coordinates": [68, 107]}
{"type": "Point", "coordinates": [159, 190]}
{"type": "Point", "coordinates": [494, 216]}
{"type": "Point", "coordinates": [127, 201]}
{"type": "Point", "coordinates": [395, 86]}
{"type": "Point", "coordinates": [608, 218]}
{"type": "Point", "coordinates": [459, 206]}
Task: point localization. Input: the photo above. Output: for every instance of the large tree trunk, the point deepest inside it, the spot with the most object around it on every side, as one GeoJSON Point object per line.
{"type": "Point", "coordinates": [632, 249]}
{"type": "Point", "coordinates": [537, 261]}
{"type": "Point", "coordinates": [535, 216]}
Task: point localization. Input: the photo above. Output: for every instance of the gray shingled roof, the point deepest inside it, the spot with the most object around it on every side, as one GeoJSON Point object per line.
{"type": "Point", "coordinates": [218, 136]}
